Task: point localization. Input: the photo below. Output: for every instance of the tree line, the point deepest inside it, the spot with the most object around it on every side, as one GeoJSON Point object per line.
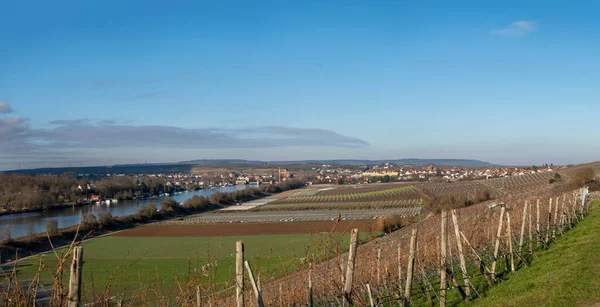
{"type": "Point", "coordinates": [26, 193]}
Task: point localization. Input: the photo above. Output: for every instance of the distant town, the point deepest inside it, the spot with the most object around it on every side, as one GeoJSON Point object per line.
{"type": "Point", "coordinates": [335, 174]}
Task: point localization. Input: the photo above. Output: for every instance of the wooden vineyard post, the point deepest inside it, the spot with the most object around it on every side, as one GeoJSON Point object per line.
{"type": "Point", "coordinates": [239, 273]}
{"type": "Point", "coordinates": [549, 221]}
{"type": "Point", "coordinates": [310, 287]}
{"type": "Point", "coordinates": [280, 294]}
{"type": "Point", "coordinates": [258, 281]}
{"type": "Point", "coordinates": [198, 302]}
{"type": "Point", "coordinates": [497, 244]}
{"type": "Point", "coordinates": [371, 301]}
{"type": "Point", "coordinates": [254, 285]}
{"type": "Point", "coordinates": [379, 266]}
{"type": "Point", "coordinates": [523, 222]}
{"type": "Point", "coordinates": [444, 255]}
{"type": "Point", "coordinates": [75, 277]}
{"type": "Point", "coordinates": [530, 233]}
{"type": "Point", "coordinates": [410, 267]}
{"type": "Point", "coordinates": [576, 206]}
{"type": "Point", "coordinates": [569, 210]}
{"type": "Point", "coordinates": [350, 267]}
{"type": "Point", "coordinates": [399, 270]}
{"type": "Point", "coordinates": [510, 244]}
{"type": "Point", "coordinates": [482, 267]}
{"type": "Point", "coordinates": [555, 222]}
{"type": "Point", "coordinates": [562, 216]}
{"type": "Point", "coordinates": [342, 274]}
{"type": "Point", "coordinates": [461, 255]}
{"type": "Point", "coordinates": [575, 211]}
{"type": "Point", "coordinates": [583, 208]}
{"type": "Point", "coordinates": [537, 225]}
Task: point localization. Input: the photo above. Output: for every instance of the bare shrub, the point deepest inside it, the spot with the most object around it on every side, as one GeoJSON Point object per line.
{"type": "Point", "coordinates": [105, 219]}
{"type": "Point", "coordinates": [90, 222]}
{"type": "Point", "coordinates": [171, 207]}
{"type": "Point", "coordinates": [149, 211]}
{"type": "Point", "coordinates": [6, 234]}
{"type": "Point", "coordinates": [582, 176]}
{"type": "Point", "coordinates": [388, 224]}
{"type": "Point", "coordinates": [51, 228]}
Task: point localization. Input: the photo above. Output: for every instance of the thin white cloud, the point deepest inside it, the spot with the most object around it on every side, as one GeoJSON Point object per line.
{"type": "Point", "coordinates": [4, 108]}
{"type": "Point", "coordinates": [518, 28]}
{"type": "Point", "coordinates": [84, 136]}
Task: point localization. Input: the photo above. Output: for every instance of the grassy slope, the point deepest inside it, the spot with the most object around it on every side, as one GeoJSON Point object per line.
{"type": "Point", "coordinates": [568, 274]}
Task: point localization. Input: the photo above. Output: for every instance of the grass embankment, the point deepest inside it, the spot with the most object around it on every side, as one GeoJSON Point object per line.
{"type": "Point", "coordinates": [567, 274]}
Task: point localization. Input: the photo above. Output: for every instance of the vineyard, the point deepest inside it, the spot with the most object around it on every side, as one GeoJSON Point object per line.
{"type": "Point", "coordinates": [468, 189]}
{"type": "Point", "coordinates": [523, 183]}
{"type": "Point", "coordinates": [484, 245]}
{"type": "Point", "coordinates": [342, 205]}
{"type": "Point", "coordinates": [370, 195]}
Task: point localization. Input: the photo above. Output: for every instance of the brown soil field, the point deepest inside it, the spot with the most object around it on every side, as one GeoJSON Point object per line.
{"type": "Point", "coordinates": [245, 229]}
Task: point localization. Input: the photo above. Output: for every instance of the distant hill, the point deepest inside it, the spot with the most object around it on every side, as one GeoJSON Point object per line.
{"type": "Point", "coordinates": [186, 166]}
{"type": "Point", "coordinates": [440, 162]}
{"type": "Point", "coordinates": [220, 161]}
{"type": "Point", "coordinates": [129, 169]}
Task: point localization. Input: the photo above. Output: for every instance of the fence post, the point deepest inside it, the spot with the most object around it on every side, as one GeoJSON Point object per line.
{"type": "Point", "coordinates": [555, 222]}
{"type": "Point", "coordinates": [562, 216]}
{"type": "Point", "coordinates": [482, 267]}
{"type": "Point", "coordinates": [549, 221]}
{"type": "Point", "coordinates": [198, 303]}
{"type": "Point", "coordinates": [523, 222]}
{"type": "Point", "coordinates": [583, 194]}
{"type": "Point", "coordinates": [497, 245]}
{"type": "Point", "coordinates": [75, 277]}
{"type": "Point", "coordinates": [371, 301]}
{"type": "Point", "coordinates": [399, 270]}
{"type": "Point", "coordinates": [537, 225]}
{"type": "Point", "coordinates": [310, 287]}
{"type": "Point", "coordinates": [350, 267]}
{"type": "Point", "coordinates": [510, 243]}
{"type": "Point", "coordinates": [530, 232]}
{"type": "Point", "coordinates": [461, 255]}
{"type": "Point", "coordinates": [379, 266]}
{"type": "Point", "coordinates": [239, 273]}
{"type": "Point", "coordinates": [280, 294]}
{"type": "Point", "coordinates": [410, 267]}
{"type": "Point", "coordinates": [254, 285]}
{"type": "Point", "coordinates": [444, 254]}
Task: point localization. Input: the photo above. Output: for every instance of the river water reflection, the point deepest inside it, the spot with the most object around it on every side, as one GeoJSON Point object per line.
{"type": "Point", "coordinates": [22, 224]}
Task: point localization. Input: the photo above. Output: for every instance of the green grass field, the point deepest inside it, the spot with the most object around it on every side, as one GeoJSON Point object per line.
{"type": "Point", "coordinates": [133, 261]}
{"type": "Point", "coordinates": [567, 274]}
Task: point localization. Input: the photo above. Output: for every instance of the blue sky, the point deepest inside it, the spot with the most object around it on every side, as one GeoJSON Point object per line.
{"type": "Point", "coordinates": [112, 82]}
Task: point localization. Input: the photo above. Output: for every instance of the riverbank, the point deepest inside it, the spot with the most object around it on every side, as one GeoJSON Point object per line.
{"type": "Point", "coordinates": [55, 207]}
{"type": "Point", "coordinates": [69, 205]}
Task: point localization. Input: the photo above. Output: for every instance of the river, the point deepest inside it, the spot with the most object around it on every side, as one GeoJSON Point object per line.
{"type": "Point", "coordinates": [21, 224]}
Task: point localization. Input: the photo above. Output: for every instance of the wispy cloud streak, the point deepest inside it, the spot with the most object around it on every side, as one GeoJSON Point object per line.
{"type": "Point", "coordinates": [518, 28]}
